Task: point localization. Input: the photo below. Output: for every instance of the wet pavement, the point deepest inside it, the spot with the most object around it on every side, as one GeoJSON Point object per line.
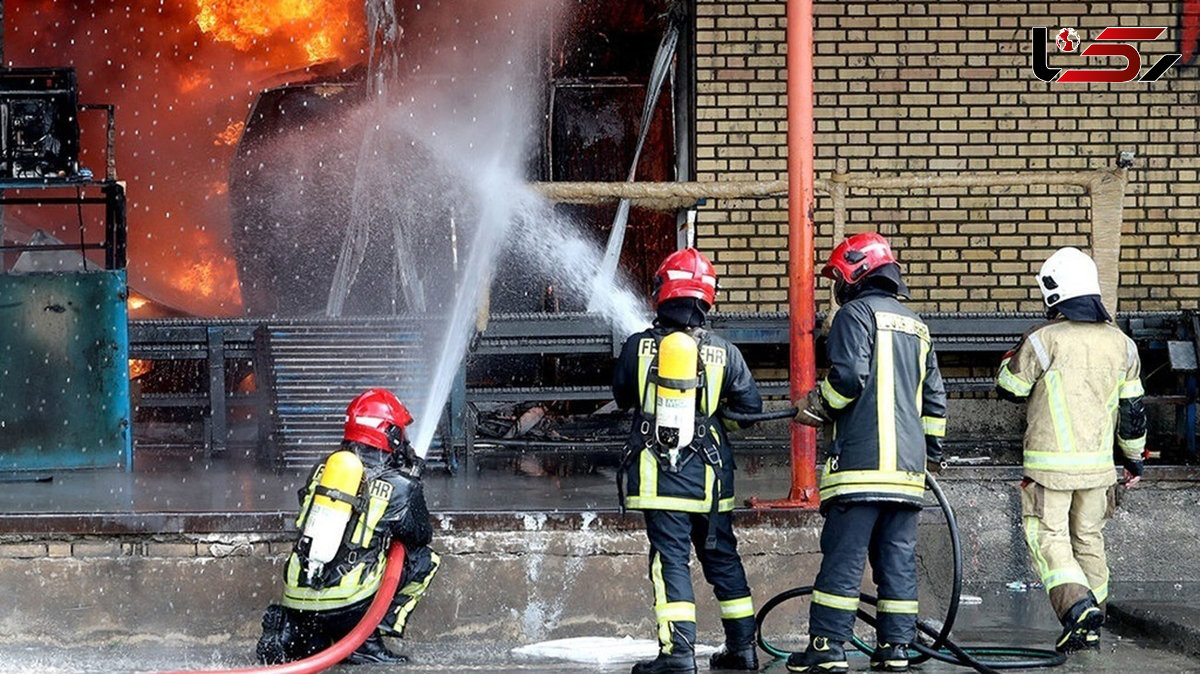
{"type": "Point", "coordinates": [180, 484]}
{"type": "Point", "coordinates": [1001, 618]}
{"type": "Point", "coordinates": [1119, 655]}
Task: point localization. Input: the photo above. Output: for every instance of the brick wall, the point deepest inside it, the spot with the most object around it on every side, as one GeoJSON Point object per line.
{"type": "Point", "coordinates": [932, 86]}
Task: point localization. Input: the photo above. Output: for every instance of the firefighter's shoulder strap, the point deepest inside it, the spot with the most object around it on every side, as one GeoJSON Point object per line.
{"type": "Point", "coordinates": [706, 406]}
{"type": "Point", "coordinates": [647, 357]}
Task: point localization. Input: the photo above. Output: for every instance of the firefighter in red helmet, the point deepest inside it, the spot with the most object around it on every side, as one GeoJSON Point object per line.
{"type": "Point", "coordinates": [354, 504]}
{"type": "Point", "coordinates": [678, 467]}
{"type": "Point", "coordinates": [885, 398]}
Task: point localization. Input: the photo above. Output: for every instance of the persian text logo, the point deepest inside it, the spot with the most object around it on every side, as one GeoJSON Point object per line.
{"type": "Point", "coordinates": [1112, 41]}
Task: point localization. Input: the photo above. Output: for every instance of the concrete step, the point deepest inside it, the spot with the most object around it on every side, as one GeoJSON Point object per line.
{"type": "Point", "coordinates": [1172, 624]}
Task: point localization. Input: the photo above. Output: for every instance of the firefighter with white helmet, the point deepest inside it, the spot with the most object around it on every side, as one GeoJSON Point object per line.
{"type": "Point", "coordinates": [1081, 379]}
{"type": "Point", "coordinates": [678, 469]}
{"type": "Point", "coordinates": [354, 504]}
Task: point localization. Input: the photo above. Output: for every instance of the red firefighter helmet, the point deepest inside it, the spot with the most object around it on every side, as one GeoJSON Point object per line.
{"type": "Point", "coordinates": [685, 273]}
{"type": "Point", "coordinates": [858, 256]}
{"type": "Point", "coordinates": [377, 418]}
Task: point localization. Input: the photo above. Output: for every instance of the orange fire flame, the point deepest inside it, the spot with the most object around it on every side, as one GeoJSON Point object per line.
{"type": "Point", "coordinates": [139, 367]}
{"type": "Point", "coordinates": [194, 80]}
{"type": "Point", "coordinates": [230, 135]}
{"type": "Point", "coordinates": [321, 29]}
{"type": "Point", "coordinates": [185, 84]}
{"type": "Point", "coordinates": [209, 278]}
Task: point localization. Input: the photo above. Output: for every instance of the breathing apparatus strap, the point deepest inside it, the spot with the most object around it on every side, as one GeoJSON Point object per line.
{"type": "Point", "coordinates": [356, 501]}
{"type": "Point", "coordinates": [678, 384]}
{"type": "Point", "coordinates": [621, 480]}
{"type": "Point", "coordinates": [710, 540]}
{"type": "Point", "coordinates": [631, 450]}
{"type": "Point", "coordinates": [359, 506]}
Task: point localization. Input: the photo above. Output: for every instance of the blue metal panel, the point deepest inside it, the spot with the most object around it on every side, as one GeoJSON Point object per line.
{"type": "Point", "coordinates": [64, 371]}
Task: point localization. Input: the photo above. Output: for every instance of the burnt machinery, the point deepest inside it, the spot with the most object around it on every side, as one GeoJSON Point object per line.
{"type": "Point", "coordinates": [63, 313]}
{"type": "Point", "coordinates": [39, 164]}
{"type": "Point", "coordinates": [39, 123]}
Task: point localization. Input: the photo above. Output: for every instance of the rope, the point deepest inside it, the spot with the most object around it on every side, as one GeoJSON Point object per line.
{"type": "Point", "coordinates": [674, 195]}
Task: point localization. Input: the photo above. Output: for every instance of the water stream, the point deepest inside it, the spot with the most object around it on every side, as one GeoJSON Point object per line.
{"type": "Point", "coordinates": [379, 141]}
{"type": "Point", "coordinates": [515, 215]}
{"type": "Point", "coordinates": [451, 128]}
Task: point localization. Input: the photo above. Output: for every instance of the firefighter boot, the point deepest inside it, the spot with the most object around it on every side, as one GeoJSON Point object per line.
{"type": "Point", "coordinates": [743, 658]}
{"type": "Point", "coordinates": [822, 655]}
{"type": "Point", "coordinates": [890, 658]}
{"type": "Point", "coordinates": [675, 663]}
{"type": "Point", "coordinates": [738, 651]}
{"type": "Point", "coordinates": [373, 652]}
{"type": "Point", "coordinates": [1091, 641]}
{"type": "Point", "coordinates": [272, 646]}
{"type": "Point", "coordinates": [1084, 616]}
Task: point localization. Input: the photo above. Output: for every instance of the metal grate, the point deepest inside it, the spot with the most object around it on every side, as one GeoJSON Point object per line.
{"type": "Point", "coordinates": [317, 369]}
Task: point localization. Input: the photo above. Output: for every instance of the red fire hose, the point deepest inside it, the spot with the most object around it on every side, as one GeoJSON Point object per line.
{"type": "Point", "coordinates": [349, 643]}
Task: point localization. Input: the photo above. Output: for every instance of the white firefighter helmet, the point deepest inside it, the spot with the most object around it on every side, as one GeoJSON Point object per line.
{"type": "Point", "coordinates": [1068, 273]}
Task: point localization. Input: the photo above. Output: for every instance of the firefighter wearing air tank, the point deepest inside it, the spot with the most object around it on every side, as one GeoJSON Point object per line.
{"type": "Point", "coordinates": [354, 504]}
{"type": "Point", "coordinates": [678, 468]}
{"type": "Point", "coordinates": [885, 399]}
{"type": "Point", "coordinates": [1081, 377]}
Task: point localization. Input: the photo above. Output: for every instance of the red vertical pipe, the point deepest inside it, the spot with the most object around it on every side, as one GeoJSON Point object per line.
{"type": "Point", "coordinates": [801, 304]}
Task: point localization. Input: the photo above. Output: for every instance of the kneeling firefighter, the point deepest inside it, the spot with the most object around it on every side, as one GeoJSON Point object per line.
{"type": "Point", "coordinates": [354, 504]}
{"type": "Point", "coordinates": [678, 466]}
{"type": "Point", "coordinates": [885, 398]}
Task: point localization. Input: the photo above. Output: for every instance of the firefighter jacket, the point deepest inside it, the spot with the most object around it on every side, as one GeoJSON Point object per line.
{"type": "Point", "coordinates": [1084, 387]}
{"type": "Point", "coordinates": [391, 507]}
{"type": "Point", "coordinates": [885, 394]}
{"type": "Point", "coordinates": [706, 471]}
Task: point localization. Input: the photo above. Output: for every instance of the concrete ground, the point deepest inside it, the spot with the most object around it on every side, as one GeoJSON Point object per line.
{"type": "Point", "coordinates": [1001, 618]}
{"type": "Point", "coordinates": [1120, 656]}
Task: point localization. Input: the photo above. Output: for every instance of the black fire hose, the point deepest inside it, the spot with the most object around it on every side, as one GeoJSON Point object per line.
{"type": "Point", "coordinates": [743, 417]}
{"type": "Point", "coordinates": [979, 658]}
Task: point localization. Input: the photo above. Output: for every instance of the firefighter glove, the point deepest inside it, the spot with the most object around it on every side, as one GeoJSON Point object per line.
{"type": "Point", "coordinates": [1133, 466]}
{"type": "Point", "coordinates": [813, 412]}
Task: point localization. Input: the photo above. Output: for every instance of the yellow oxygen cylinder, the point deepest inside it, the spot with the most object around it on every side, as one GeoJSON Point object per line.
{"type": "Point", "coordinates": [332, 505]}
{"type": "Point", "coordinates": [675, 402]}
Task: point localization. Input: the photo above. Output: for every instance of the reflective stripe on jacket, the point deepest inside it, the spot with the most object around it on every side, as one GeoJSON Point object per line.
{"type": "Point", "coordinates": [394, 508]}
{"type": "Point", "coordinates": [1075, 375]}
{"type": "Point", "coordinates": [727, 382]}
{"type": "Point", "coordinates": [885, 392]}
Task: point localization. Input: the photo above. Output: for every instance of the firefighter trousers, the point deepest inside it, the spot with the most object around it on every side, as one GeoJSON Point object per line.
{"type": "Point", "coordinates": [419, 569]}
{"type": "Point", "coordinates": [672, 535]}
{"type": "Point", "coordinates": [885, 533]}
{"type": "Point", "coordinates": [1064, 530]}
